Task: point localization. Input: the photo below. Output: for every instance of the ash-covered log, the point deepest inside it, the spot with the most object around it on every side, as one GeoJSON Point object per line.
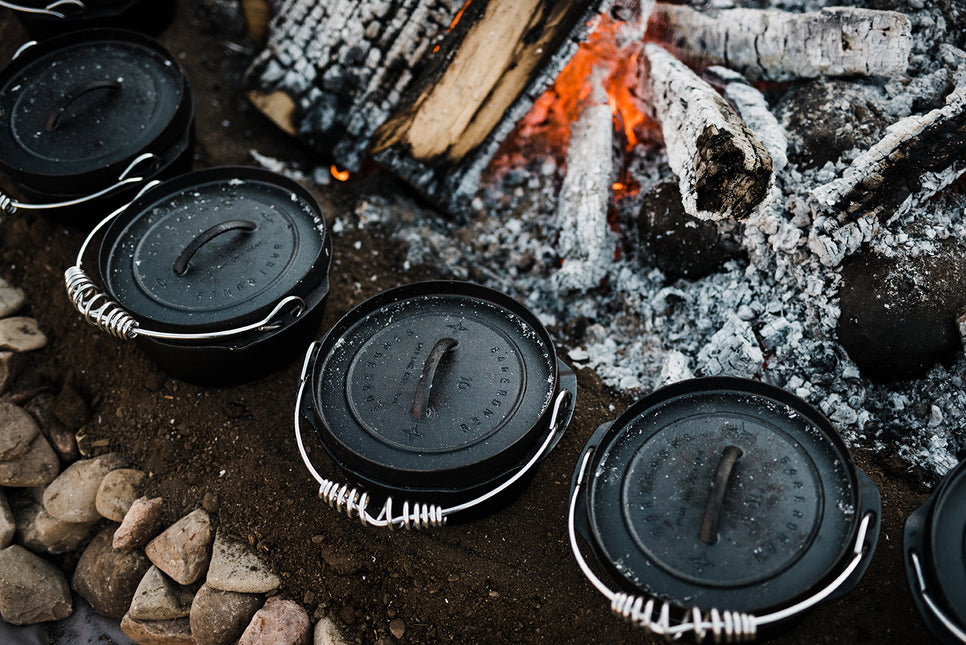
{"type": "Point", "coordinates": [722, 168]}
{"type": "Point", "coordinates": [769, 44]}
{"type": "Point", "coordinates": [919, 156]}
{"type": "Point", "coordinates": [430, 88]}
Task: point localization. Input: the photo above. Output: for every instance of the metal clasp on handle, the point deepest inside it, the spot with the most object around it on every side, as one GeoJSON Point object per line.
{"type": "Point", "coordinates": [729, 626]}
{"type": "Point", "coordinates": [49, 10]}
{"type": "Point", "coordinates": [9, 206]}
{"type": "Point", "coordinates": [355, 501]}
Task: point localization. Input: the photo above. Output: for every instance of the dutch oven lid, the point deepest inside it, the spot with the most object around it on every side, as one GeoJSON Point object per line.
{"type": "Point", "coordinates": [433, 386]}
{"type": "Point", "coordinates": [78, 108]}
{"type": "Point", "coordinates": [215, 249]}
{"type": "Point", "coordinates": [935, 545]}
{"type": "Point", "coordinates": [723, 493]}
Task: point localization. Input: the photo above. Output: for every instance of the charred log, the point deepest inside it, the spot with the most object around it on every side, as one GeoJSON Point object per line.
{"type": "Point", "coordinates": [768, 44]}
{"type": "Point", "coordinates": [723, 170]}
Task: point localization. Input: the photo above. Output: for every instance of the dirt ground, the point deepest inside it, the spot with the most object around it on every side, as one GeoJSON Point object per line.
{"type": "Point", "coordinates": [508, 577]}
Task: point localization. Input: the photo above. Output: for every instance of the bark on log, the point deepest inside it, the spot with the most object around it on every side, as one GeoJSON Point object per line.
{"type": "Point", "coordinates": [776, 45]}
{"type": "Point", "coordinates": [586, 243]}
{"type": "Point", "coordinates": [723, 170]}
{"type": "Point", "coordinates": [429, 87]}
{"type": "Point", "coordinates": [919, 156]}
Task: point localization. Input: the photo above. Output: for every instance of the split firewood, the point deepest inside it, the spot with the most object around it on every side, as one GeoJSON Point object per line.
{"type": "Point", "coordinates": [768, 44]}
{"type": "Point", "coordinates": [586, 243]}
{"type": "Point", "coordinates": [428, 87]}
{"type": "Point", "coordinates": [919, 156]}
{"type": "Point", "coordinates": [723, 170]}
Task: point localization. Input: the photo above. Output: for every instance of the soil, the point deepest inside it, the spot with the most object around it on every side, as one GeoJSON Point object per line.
{"type": "Point", "coordinates": [506, 577]}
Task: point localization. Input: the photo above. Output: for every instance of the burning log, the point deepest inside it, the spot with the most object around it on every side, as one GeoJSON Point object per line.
{"type": "Point", "coordinates": [421, 85]}
{"type": "Point", "coordinates": [586, 243]}
{"type": "Point", "coordinates": [919, 156]}
{"type": "Point", "coordinates": [768, 44]}
{"type": "Point", "coordinates": [723, 170]}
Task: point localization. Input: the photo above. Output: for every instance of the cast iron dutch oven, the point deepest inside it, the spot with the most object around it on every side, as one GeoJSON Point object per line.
{"type": "Point", "coordinates": [45, 18]}
{"type": "Point", "coordinates": [935, 547]}
{"type": "Point", "coordinates": [442, 394]}
{"type": "Point", "coordinates": [723, 507]}
{"type": "Point", "coordinates": [220, 275]}
{"type": "Point", "coordinates": [87, 116]}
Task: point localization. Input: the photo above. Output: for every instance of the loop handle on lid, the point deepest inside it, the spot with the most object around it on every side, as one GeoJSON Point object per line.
{"type": "Point", "coordinates": [49, 10]}
{"type": "Point", "coordinates": [53, 119]}
{"type": "Point", "coordinates": [181, 264]}
{"type": "Point", "coordinates": [716, 495]}
{"type": "Point", "coordinates": [424, 386]}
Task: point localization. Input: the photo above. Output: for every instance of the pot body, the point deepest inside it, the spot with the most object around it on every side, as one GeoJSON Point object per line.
{"type": "Point", "coordinates": [146, 16]}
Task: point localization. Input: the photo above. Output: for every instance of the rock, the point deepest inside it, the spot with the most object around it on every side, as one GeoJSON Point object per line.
{"type": "Point", "coordinates": [40, 532]}
{"type": "Point", "coordinates": [158, 597]}
{"type": "Point", "coordinates": [10, 364]}
{"type": "Point", "coordinates": [220, 617]}
{"type": "Point", "coordinates": [117, 492]}
{"type": "Point", "coordinates": [17, 431]}
{"type": "Point", "coordinates": [680, 245]}
{"type": "Point", "coordinates": [72, 497]}
{"type": "Point", "coordinates": [107, 578]}
{"type": "Point", "coordinates": [898, 315]}
{"type": "Point", "coordinates": [8, 526]}
{"type": "Point", "coordinates": [183, 550]}
{"type": "Point", "coordinates": [36, 467]}
{"type": "Point", "coordinates": [33, 590]}
{"type": "Point", "coordinates": [11, 299]}
{"type": "Point", "coordinates": [70, 408]}
{"type": "Point", "coordinates": [397, 627]}
{"type": "Point", "coordinates": [235, 568]}
{"type": "Point", "coordinates": [327, 633]}
{"type": "Point", "coordinates": [141, 523]}
{"type": "Point", "coordinates": [158, 632]}
{"type": "Point", "coordinates": [21, 334]}
{"type": "Point", "coordinates": [62, 439]}
{"type": "Point", "coordinates": [278, 622]}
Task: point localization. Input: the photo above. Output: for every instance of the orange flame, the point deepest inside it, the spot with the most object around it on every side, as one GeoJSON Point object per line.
{"type": "Point", "coordinates": [341, 175]}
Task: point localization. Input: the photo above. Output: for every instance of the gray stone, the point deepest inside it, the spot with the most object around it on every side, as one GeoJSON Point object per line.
{"type": "Point", "coordinates": [327, 633]}
{"type": "Point", "coordinates": [36, 467]}
{"type": "Point", "coordinates": [141, 523]}
{"type": "Point", "coordinates": [72, 496]}
{"type": "Point", "coordinates": [8, 525]}
{"type": "Point", "coordinates": [183, 550]}
{"type": "Point", "coordinates": [62, 439]}
{"type": "Point", "coordinates": [10, 364]}
{"type": "Point", "coordinates": [278, 622]}
{"type": "Point", "coordinates": [11, 299]}
{"type": "Point", "coordinates": [158, 597]}
{"type": "Point", "coordinates": [17, 431]}
{"type": "Point", "coordinates": [234, 567]}
{"type": "Point", "coordinates": [40, 532]}
{"type": "Point", "coordinates": [158, 632]}
{"type": "Point", "coordinates": [33, 590]}
{"type": "Point", "coordinates": [107, 578]}
{"type": "Point", "coordinates": [117, 492]}
{"type": "Point", "coordinates": [21, 334]}
{"type": "Point", "coordinates": [220, 617]}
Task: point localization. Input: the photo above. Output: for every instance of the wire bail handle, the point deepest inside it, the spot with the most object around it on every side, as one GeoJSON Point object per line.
{"type": "Point", "coordinates": [49, 10]}
{"type": "Point", "coordinates": [105, 313]}
{"type": "Point", "coordinates": [947, 622]}
{"type": "Point", "coordinates": [654, 615]}
{"type": "Point", "coordinates": [414, 515]}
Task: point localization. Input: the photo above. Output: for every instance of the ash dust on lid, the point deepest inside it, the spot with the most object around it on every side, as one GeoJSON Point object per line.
{"type": "Point", "coordinates": [490, 389]}
{"type": "Point", "coordinates": [236, 276]}
{"type": "Point", "coordinates": [783, 523]}
{"type": "Point", "coordinates": [125, 95]}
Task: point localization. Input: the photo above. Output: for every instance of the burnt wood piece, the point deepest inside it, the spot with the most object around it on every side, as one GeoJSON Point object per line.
{"type": "Point", "coordinates": [722, 168]}
{"type": "Point", "coordinates": [768, 44]}
{"type": "Point", "coordinates": [428, 87]}
{"type": "Point", "coordinates": [919, 156]}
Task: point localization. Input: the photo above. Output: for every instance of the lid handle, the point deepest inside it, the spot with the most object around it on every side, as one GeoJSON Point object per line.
{"type": "Point", "coordinates": [181, 264]}
{"type": "Point", "coordinates": [425, 384]}
{"type": "Point", "coordinates": [719, 486]}
{"type": "Point", "coordinates": [53, 119]}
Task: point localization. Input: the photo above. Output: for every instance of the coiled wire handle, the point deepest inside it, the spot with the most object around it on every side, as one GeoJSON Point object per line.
{"type": "Point", "coordinates": [723, 626]}
{"type": "Point", "coordinates": [413, 515]}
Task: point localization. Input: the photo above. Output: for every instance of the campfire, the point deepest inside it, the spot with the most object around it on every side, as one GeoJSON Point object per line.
{"type": "Point", "coordinates": [677, 192]}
